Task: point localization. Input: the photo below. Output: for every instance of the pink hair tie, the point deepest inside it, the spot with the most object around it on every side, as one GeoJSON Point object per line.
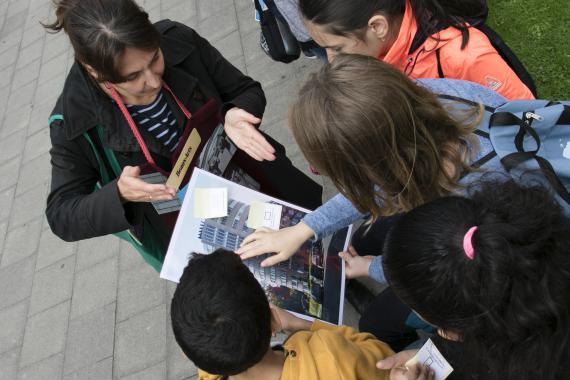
{"type": "Point", "coordinates": [468, 243]}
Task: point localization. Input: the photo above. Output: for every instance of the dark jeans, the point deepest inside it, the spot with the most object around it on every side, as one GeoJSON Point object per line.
{"type": "Point", "coordinates": [369, 239]}
{"type": "Point", "coordinates": [386, 316]}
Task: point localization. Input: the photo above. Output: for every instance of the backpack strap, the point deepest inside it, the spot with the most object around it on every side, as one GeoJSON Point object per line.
{"type": "Point", "coordinates": [512, 160]}
{"type": "Point", "coordinates": [439, 68]}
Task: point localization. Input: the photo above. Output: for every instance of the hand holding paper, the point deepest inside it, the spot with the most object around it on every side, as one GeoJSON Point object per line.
{"type": "Point", "coordinates": [430, 356]}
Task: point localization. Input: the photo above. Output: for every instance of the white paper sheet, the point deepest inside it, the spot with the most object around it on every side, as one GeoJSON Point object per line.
{"type": "Point", "coordinates": [430, 356]}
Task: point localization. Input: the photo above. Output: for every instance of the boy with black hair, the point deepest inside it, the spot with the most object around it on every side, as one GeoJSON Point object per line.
{"type": "Point", "coordinates": [223, 322]}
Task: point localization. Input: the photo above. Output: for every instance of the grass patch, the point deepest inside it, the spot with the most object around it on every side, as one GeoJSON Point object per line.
{"type": "Point", "coordinates": [538, 31]}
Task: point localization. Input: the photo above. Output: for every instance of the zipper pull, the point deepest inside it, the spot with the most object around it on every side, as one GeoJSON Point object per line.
{"type": "Point", "coordinates": [532, 115]}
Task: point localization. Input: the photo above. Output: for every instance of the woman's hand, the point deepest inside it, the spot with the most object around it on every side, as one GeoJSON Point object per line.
{"type": "Point", "coordinates": [239, 128]}
{"type": "Point", "coordinates": [133, 189]}
{"type": "Point", "coordinates": [356, 266]}
{"type": "Point", "coordinates": [398, 370]}
{"type": "Point", "coordinates": [284, 321]}
{"type": "Point", "coordinates": [284, 243]}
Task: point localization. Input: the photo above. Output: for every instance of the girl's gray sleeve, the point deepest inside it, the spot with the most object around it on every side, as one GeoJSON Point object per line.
{"type": "Point", "coordinates": [462, 89]}
{"type": "Point", "coordinates": [376, 270]}
{"type": "Point", "coordinates": [335, 214]}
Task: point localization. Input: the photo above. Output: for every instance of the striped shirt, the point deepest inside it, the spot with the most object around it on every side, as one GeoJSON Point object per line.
{"type": "Point", "coordinates": [158, 120]}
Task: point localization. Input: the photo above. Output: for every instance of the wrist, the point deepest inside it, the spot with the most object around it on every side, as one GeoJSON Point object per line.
{"type": "Point", "coordinates": [120, 192]}
{"type": "Point", "coordinates": [304, 231]}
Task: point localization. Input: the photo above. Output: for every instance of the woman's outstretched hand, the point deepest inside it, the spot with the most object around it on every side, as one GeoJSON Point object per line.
{"type": "Point", "coordinates": [284, 243]}
{"type": "Point", "coordinates": [239, 126]}
{"type": "Point", "coordinates": [133, 189]}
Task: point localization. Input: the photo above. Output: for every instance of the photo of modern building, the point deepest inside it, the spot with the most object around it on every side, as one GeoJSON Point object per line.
{"type": "Point", "coordinates": [295, 284]}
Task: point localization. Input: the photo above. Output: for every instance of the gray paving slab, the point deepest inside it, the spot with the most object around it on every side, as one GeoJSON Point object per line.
{"type": "Point", "coordinates": [16, 7]}
{"type": "Point", "coordinates": [9, 365]}
{"type": "Point", "coordinates": [16, 121]}
{"type": "Point", "coordinates": [30, 53]}
{"type": "Point", "coordinates": [34, 172]}
{"type": "Point", "coordinates": [32, 34]}
{"type": "Point", "coordinates": [94, 288]}
{"type": "Point", "coordinates": [13, 321]}
{"type": "Point", "coordinates": [37, 145]}
{"type": "Point", "coordinates": [52, 285]}
{"type": "Point", "coordinates": [6, 75]}
{"type": "Point", "coordinates": [93, 251]}
{"type": "Point", "coordinates": [56, 44]}
{"type": "Point", "coordinates": [6, 199]}
{"type": "Point", "coordinates": [52, 68]}
{"type": "Point", "coordinates": [129, 257]}
{"type": "Point", "coordinates": [139, 289]}
{"type": "Point", "coordinates": [219, 25]}
{"type": "Point", "coordinates": [21, 96]}
{"type": "Point", "coordinates": [52, 249]}
{"type": "Point", "coordinates": [14, 21]}
{"type": "Point", "coordinates": [45, 334]}
{"type": "Point", "coordinates": [3, 229]}
{"type": "Point", "coordinates": [90, 339]}
{"type": "Point", "coordinates": [21, 242]}
{"type": "Point", "coordinates": [181, 11]}
{"type": "Point", "coordinates": [178, 365]}
{"type": "Point", "coordinates": [28, 206]}
{"type": "Point", "coordinates": [50, 368]}
{"type": "Point", "coordinates": [26, 74]}
{"type": "Point", "coordinates": [48, 92]}
{"type": "Point", "coordinates": [12, 146]}
{"type": "Point", "coordinates": [9, 172]}
{"type": "Point", "coordinates": [16, 282]}
{"type": "Point", "coordinates": [40, 115]}
{"type": "Point", "coordinates": [157, 372]}
{"type": "Point", "coordinates": [140, 342]}
{"type": "Point", "coordinates": [102, 370]}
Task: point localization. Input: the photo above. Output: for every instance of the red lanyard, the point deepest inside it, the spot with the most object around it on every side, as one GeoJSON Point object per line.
{"type": "Point", "coordinates": [131, 122]}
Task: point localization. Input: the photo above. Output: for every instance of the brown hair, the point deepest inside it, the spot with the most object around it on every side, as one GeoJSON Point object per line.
{"type": "Point", "coordinates": [386, 143]}
{"type": "Point", "coordinates": [101, 30]}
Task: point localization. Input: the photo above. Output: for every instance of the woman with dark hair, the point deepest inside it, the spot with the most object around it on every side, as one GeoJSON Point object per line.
{"type": "Point", "coordinates": [492, 272]}
{"type": "Point", "coordinates": [136, 95]}
{"type": "Point", "coordinates": [421, 38]}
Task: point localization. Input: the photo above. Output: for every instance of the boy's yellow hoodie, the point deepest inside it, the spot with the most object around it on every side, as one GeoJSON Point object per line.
{"type": "Point", "coordinates": [330, 352]}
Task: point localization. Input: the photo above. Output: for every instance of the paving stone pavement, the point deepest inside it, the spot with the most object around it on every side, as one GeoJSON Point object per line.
{"type": "Point", "coordinates": [93, 309]}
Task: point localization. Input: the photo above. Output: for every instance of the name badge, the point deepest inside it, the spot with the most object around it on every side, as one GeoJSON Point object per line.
{"type": "Point", "coordinates": [183, 162]}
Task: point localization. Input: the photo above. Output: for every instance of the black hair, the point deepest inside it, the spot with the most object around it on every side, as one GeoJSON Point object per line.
{"type": "Point", "coordinates": [509, 305]}
{"type": "Point", "coordinates": [220, 314]}
{"type": "Point", "coordinates": [350, 17]}
{"type": "Point", "coordinates": [101, 30]}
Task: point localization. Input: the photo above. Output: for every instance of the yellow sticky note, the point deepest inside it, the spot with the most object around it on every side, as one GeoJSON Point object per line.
{"type": "Point", "coordinates": [264, 215]}
{"type": "Point", "coordinates": [210, 202]}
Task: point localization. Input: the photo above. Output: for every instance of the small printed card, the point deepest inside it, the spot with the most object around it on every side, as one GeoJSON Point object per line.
{"type": "Point", "coordinates": [210, 202]}
{"type": "Point", "coordinates": [430, 356]}
{"type": "Point", "coordinates": [161, 207]}
{"type": "Point", "coordinates": [264, 215]}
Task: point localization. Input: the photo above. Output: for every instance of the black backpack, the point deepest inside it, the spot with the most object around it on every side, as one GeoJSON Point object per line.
{"type": "Point", "coordinates": [277, 40]}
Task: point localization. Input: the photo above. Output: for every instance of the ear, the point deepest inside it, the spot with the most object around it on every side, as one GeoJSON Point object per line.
{"type": "Point", "coordinates": [90, 70]}
{"type": "Point", "coordinates": [379, 26]}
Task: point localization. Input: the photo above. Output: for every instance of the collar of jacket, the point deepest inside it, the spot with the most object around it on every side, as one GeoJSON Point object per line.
{"type": "Point", "coordinates": [401, 51]}
{"type": "Point", "coordinates": [86, 106]}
